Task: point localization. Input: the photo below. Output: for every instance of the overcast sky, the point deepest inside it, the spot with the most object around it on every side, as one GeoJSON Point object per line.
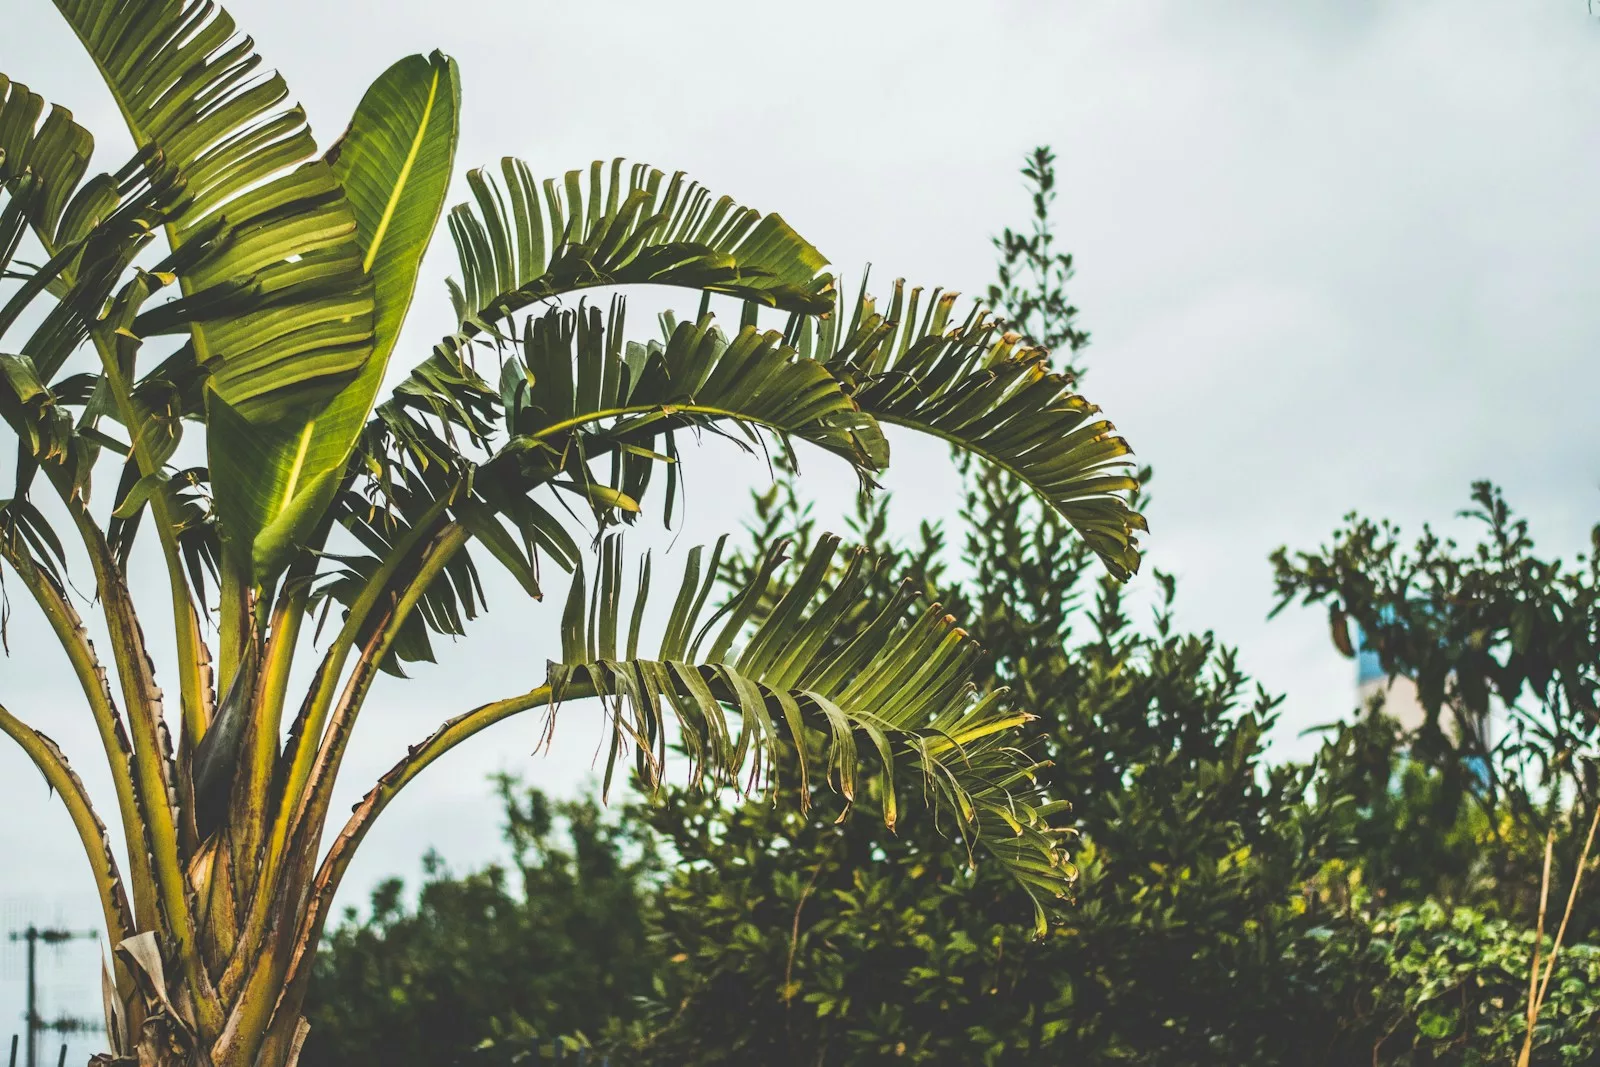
{"type": "Point", "coordinates": [1335, 255]}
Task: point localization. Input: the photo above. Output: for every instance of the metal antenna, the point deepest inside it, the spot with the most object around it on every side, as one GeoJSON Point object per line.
{"type": "Point", "coordinates": [36, 1024]}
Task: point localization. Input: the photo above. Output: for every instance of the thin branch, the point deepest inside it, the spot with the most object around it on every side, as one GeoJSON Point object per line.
{"type": "Point", "coordinates": [74, 639]}
{"type": "Point", "coordinates": [1572, 898]}
{"type": "Point", "coordinates": [1538, 940]}
{"type": "Point", "coordinates": [1537, 1003]}
{"type": "Point", "coordinates": [450, 540]}
{"type": "Point", "coordinates": [794, 935]}
{"type": "Point", "coordinates": [233, 618]}
{"type": "Point", "coordinates": [418, 759]}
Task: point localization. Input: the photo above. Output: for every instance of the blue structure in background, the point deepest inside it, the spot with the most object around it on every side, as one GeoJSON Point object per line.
{"type": "Point", "coordinates": [1401, 702]}
{"type": "Point", "coordinates": [1368, 667]}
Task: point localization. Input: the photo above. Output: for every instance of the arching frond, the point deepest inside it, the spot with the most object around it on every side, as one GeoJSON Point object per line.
{"type": "Point", "coordinates": [394, 162]}
{"type": "Point", "coordinates": [521, 241]}
{"type": "Point", "coordinates": [89, 233]}
{"type": "Point", "coordinates": [991, 394]}
{"type": "Point", "coordinates": [585, 412]}
{"type": "Point", "coordinates": [898, 698]}
{"type": "Point", "coordinates": [277, 297]}
{"type": "Point", "coordinates": [41, 164]}
{"type": "Point", "coordinates": [577, 391]}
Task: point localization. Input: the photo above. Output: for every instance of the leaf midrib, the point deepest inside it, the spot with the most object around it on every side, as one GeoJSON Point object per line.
{"type": "Point", "coordinates": [405, 175]}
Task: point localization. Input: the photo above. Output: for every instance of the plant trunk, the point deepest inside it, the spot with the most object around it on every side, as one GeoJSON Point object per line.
{"type": "Point", "coordinates": [167, 1046]}
{"type": "Point", "coordinates": [154, 1024]}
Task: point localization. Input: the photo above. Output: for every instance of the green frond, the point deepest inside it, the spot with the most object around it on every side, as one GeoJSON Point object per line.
{"type": "Point", "coordinates": [574, 395]}
{"type": "Point", "coordinates": [577, 392]}
{"type": "Point", "coordinates": [29, 530]}
{"type": "Point", "coordinates": [735, 688]}
{"type": "Point", "coordinates": [989, 393]}
{"type": "Point", "coordinates": [191, 88]}
{"type": "Point", "coordinates": [90, 233]}
{"type": "Point", "coordinates": [394, 528]}
{"type": "Point", "coordinates": [185, 84]}
{"type": "Point", "coordinates": [42, 424]}
{"type": "Point", "coordinates": [522, 241]}
{"type": "Point", "coordinates": [394, 162]}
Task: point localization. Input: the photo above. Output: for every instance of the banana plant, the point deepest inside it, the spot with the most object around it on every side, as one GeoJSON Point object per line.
{"type": "Point", "coordinates": [204, 335]}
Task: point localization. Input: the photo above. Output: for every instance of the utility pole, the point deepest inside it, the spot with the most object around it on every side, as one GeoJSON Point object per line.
{"type": "Point", "coordinates": [36, 1024]}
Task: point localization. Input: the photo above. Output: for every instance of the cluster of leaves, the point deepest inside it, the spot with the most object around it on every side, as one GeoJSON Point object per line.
{"type": "Point", "coordinates": [1431, 984]}
{"type": "Point", "coordinates": [800, 940]}
{"type": "Point", "coordinates": [1349, 911]}
{"type": "Point", "coordinates": [1504, 648]}
{"type": "Point", "coordinates": [787, 936]}
{"type": "Point", "coordinates": [266, 335]}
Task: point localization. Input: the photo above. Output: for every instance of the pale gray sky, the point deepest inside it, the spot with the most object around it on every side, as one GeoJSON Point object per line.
{"type": "Point", "coordinates": [1335, 256]}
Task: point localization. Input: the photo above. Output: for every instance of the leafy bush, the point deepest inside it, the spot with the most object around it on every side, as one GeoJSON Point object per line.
{"type": "Point", "coordinates": [1424, 984]}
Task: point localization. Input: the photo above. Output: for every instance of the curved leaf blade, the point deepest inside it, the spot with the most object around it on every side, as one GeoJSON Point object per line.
{"type": "Point", "coordinates": [577, 392]}
{"type": "Point", "coordinates": [55, 153]}
{"type": "Point", "coordinates": [394, 164]}
{"type": "Point", "coordinates": [182, 79]}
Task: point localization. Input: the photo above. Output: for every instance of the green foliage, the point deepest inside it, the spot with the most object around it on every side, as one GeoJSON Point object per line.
{"type": "Point", "coordinates": [645, 228]}
{"type": "Point", "coordinates": [1373, 906]}
{"type": "Point", "coordinates": [1033, 276]}
{"type": "Point", "coordinates": [797, 940]}
{"type": "Point", "coordinates": [1426, 984]}
{"type": "Point", "coordinates": [290, 275]}
{"type": "Point", "coordinates": [901, 681]}
{"type": "Point", "coordinates": [1492, 627]}
{"type": "Point", "coordinates": [1504, 647]}
{"type": "Point", "coordinates": [554, 944]}
{"type": "Point", "coordinates": [804, 941]}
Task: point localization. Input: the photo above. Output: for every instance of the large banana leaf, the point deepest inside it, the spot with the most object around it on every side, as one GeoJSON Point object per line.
{"type": "Point", "coordinates": [528, 241]}
{"type": "Point", "coordinates": [989, 393]}
{"type": "Point", "coordinates": [902, 688]}
{"type": "Point", "coordinates": [394, 164]}
{"type": "Point", "coordinates": [185, 84]}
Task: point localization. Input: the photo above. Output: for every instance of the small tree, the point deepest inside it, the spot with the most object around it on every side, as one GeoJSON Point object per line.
{"type": "Point", "coordinates": [791, 939]}
{"type": "Point", "coordinates": [1503, 645]}
{"type": "Point", "coordinates": [290, 274]}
